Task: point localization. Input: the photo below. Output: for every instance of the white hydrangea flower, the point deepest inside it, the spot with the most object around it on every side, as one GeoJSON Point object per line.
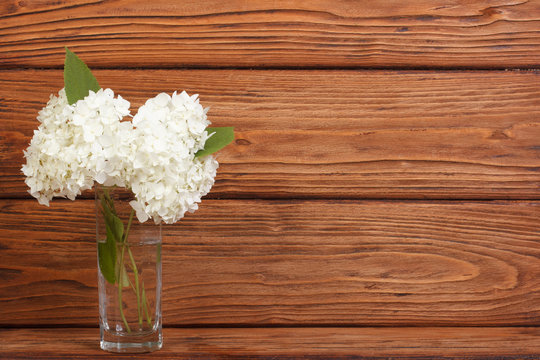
{"type": "Point", "coordinates": [154, 155]}
{"type": "Point", "coordinates": [76, 145]}
{"type": "Point", "coordinates": [166, 178]}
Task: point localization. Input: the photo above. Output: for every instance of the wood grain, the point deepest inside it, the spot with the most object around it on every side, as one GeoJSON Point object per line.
{"type": "Point", "coordinates": [322, 33]}
{"type": "Point", "coordinates": [291, 262]}
{"type": "Point", "coordinates": [331, 134]}
{"type": "Point", "coordinates": [288, 343]}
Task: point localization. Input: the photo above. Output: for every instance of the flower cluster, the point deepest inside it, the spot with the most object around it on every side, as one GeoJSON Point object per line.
{"type": "Point", "coordinates": [154, 155]}
{"type": "Point", "coordinates": [166, 177]}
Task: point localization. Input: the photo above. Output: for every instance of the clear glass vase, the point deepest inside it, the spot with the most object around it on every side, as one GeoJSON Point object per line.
{"type": "Point", "coordinates": [129, 275]}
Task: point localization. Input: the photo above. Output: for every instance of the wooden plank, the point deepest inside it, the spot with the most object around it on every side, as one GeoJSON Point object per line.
{"type": "Point", "coordinates": [291, 262]}
{"type": "Point", "coordinates": [421, 33]}
{"type": "Point", "coordinates": [288, 343]}
{"type": "Point", "coordinates": [332, 134]}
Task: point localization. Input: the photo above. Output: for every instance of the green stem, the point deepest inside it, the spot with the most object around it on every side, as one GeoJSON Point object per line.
{"type": "Point", "coordinates": [120, 304]}
{"type": "Point", "coordinates": [136, 276]}
{"type": "Point", "coordinates": [125, 240]}
{"type": "Point", "coordinates": [134, 268]}
{"type": "Point", "coordinates": [131, 284]}
{"type": "Point", "coordinates": [145, 307]}
{"type": "Point", "coordinates": [128, 225]}
{"type": "Point", "coordinates": [108, 202]}
{"type": "Point", "coordinates": [142, 304]}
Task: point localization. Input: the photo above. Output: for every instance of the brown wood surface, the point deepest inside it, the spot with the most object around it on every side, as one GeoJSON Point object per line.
{"type": "Point", "coordinates": [295, 261]}
{"type": "Point", "coordinates": [328, 33]}
{"type": "Point", "coordinates": [262, 262]}
{"type": "Point", "coordinates": [332, 134]}
{"type": "Point", "coordinates": [289, 343]}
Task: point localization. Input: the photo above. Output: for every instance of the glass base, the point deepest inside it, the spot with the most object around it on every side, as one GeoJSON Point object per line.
{"type": "Point", "coordinates": [127, 343]}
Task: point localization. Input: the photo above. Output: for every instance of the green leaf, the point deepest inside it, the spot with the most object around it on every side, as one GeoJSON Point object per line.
{"type": "Point", "coordinates": [78, 79]}
{"type": "Point", "coordinates": [117, 228]}
{"type": "Point", "coordinates": [222, 136]}
{"type": "Point", "coordinates": [107, 250]}
{"type": "Point", "coordinates": [112, 222]}
{"type": "Point", "coordinates": [107, 257]}
{"type": "Point", "coordinates": [125, 278]}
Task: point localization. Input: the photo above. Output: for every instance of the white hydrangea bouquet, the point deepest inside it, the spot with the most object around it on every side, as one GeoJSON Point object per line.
{"type": "Point", "coordinates": [162, 155]}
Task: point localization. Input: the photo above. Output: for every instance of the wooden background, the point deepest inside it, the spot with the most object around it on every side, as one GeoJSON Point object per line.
{"type": "Point", "coordinates": [382, 197]}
